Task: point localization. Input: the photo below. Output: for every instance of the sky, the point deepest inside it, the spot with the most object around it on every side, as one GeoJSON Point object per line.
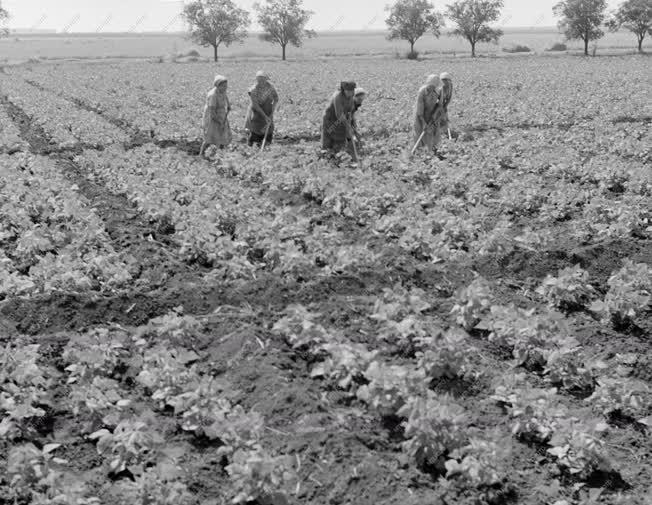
{"type": "Point", "coordinates": [163, 15]}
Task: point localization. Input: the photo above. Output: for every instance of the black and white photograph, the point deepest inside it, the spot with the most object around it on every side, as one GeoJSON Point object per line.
{"type": "Point", "coordinates": [325, 252]}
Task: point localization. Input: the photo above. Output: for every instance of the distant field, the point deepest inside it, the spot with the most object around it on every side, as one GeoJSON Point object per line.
{"type": "Point", "coordinates": [22, 47]}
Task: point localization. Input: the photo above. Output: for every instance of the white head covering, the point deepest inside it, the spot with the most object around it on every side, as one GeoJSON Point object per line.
{"type": "Point", "coordinates": [261, 74]}
{"type": "Point", "coordinates": [433, 80]}
{"type": "Point", "coordinates": [219, 79]}
{"type": "Point", "coordinates": [445, 75]}
{"type": "Point", "coordinates": [360, 91]}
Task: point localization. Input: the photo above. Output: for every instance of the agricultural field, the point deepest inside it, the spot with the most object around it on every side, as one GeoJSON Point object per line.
{"type": "Point", "coordinates": [291, 327]}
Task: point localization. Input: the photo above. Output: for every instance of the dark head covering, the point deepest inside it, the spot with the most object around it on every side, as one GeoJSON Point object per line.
{"type": "Point", "coordinates": [347, 86]}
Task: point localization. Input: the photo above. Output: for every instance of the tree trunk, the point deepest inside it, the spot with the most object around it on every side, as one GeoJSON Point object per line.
{"type": "Point", "coordinates": [215, 53]}
{"type": "Point", "coordinates": [586, 46]}
{"type": "Point", "coordinates": [473, 49]}
{"type": "Point", "coordinates": [283, 46]}
{"type": "Point", "coordinates": [640, 43]}
{"type": "Point", "coordinates": [411, 47]}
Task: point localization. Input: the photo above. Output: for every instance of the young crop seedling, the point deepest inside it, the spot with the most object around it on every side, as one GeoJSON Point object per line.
{"type": "Point", "coordinates": [578, 449]}
{"type": "Point", "coordinates": [344, 365]}
{"type": "Point", "coordinates": [390, 387]}
{"type": "Point", "coordinates": [257, 476]}
{"type": "Point", "coordinates": [446, 355]}
{"type": "Point", "coordinates": [536, 412]}
{"type": "Point", "coordinates": [434, 426]}
{"type": "Point", "coordinates": [38, 476]}
{"type": "Point", "coordinates": [477, 464]}
{"type": "Point", "coordinates": [471, 303]}
{"type": "Point", "coordinates": [570, 290]}
{"type": "Point", "coordinates": [130, 446]}
{"type": "Point", "coordinates": [301, 329]}
{"type": "Point", "coordinates": [25, 389]}
{"type": "Point", "coordinates": [630, 294]}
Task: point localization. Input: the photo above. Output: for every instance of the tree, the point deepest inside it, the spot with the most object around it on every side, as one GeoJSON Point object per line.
{"type": "Point", "coordinates": [581, 19]}
{"type": "Point", "coordinates": [636, 16]}
{"type": "Point", "coordinates": [216, 22]}
{"type": "Point", "coordinates": [284, 22]}
{"type": "Point", "coordinates": [473, 17]}
{"type": "Point", "coordinates": [4, 15]}
{"type": "Point", "coordinates": [411, 19]}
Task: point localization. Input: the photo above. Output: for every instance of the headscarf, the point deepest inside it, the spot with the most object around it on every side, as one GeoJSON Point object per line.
{"type": "Point", "coordinates": [433, 80]}
{"type": "Point", "coordinates": [262, 74]}
{"type": "Point", "coordinates": [445, 75]}
{"type": "Point", "coordinates": [347, 86]}
{"type": "Point", "coordinates": [219, 79]}
{"type": "Point", "coordinates": [359, 92]}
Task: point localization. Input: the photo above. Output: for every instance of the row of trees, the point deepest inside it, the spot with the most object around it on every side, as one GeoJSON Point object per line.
{"type": "Point", "coordinates": [579, 20]}
{"type": "Point", "coordinates": [4, 15]}
{"type": "Point", "coordinates": [221, 22]}
{"type": "Point", "coordinates": [217, 22]}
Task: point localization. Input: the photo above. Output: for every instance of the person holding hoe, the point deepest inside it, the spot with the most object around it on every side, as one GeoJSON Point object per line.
{"type": "Point", "coordinates": [260, 114]}
{"type": "Point", "coordinates": [217, 130]}
{"type": "Point", "coordinates": [337, 128]}
{"type": "Point", "coordinates": [428, 115]}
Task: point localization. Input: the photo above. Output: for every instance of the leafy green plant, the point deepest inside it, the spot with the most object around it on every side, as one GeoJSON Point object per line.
{"type": "Point", "coordinates": [99, 352]}
{"type": "Point", "coordinates": [174, 326]}
{"type": "Point", "coordinates": [102, 398]}
{"type": "Point", "coordinates": [578, 449]}
{"type": "Point", "coordinates": [530, 336]}
{"type": "Point", "coordinates": [630, 293]}
{"type": "Point", "coordinates": [390, 387]}
{"type": "Point", "coordinates": [36, 475]}
{"type": "Point", "coordinates": [130, 445]}
{"type": "Point", "coordinates": [434, 426]}
{"type": "Point", "coordinates": [25, 388]}
{"type": "Point", "coordinates": [344, 365]}
{"type": "Point", "coordinates": [625, 396]}
{"type": "Point", "coordinates": [165, 373]}
{"type": "Point", "coordinates": [569, 290]}
{"type": "Point", "coordinates": [155, 488]}
{"type": "Point", "coordinates": [565, 370]}
{"type": "Point", "coordinates": [479, 463]}
{"type": "Point", "coordinates": [300, 327]}
{"type": "Point", "coordinates": [536, 412]}
{"type": "Point", "coordinates": [206, 410]}
{"type": "Point", "coordinates": [446, 355]}
{"type": "Point", "coordinates": [256, 475]}
{"type": "Point", "coordinates": [472, 302]}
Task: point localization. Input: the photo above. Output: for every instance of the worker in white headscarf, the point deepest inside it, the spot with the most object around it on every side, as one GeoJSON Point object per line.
{"type": "Point", "coordinates": [427, 113]}
{"type": "Point", "coordinates": [260, 114]}
{"type": "Point", "coordinates": [217, 130]}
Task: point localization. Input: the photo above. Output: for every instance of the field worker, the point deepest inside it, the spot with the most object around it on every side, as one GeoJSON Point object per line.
{"type": "Point", "coordinates": [446, 95]}
{"type": "Point", "coordinates": [336, 125]}
{"type": "Point", "coordinates": [260, 114]}
{"type": "Point", "coordinates": [358, 97]}
{"type": "Point", "coordinates": [217, 130]}
{"type": "Point", "coordinates": [427, 113]}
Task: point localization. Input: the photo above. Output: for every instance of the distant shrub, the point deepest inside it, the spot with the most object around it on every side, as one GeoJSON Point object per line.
{"type": "Point", "coordinates": [517, 49]}
{"type": "Point", "coordinates": [193, 53]}
{"type": "Point", "coordinates": [558, 46]}
{"type": "Point", "coordinates": [413, 55]}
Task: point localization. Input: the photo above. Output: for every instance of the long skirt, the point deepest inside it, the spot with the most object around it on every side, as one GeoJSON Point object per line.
{"type": "Point", "coordinates": [215, 133]}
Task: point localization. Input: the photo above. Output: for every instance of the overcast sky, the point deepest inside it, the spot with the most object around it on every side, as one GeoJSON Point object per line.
{"type": "Point", "coordinates": [163, 15]}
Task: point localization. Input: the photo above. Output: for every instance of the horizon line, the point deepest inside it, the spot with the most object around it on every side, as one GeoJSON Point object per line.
{"type": "Point", "coordinates": [52, 31]}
